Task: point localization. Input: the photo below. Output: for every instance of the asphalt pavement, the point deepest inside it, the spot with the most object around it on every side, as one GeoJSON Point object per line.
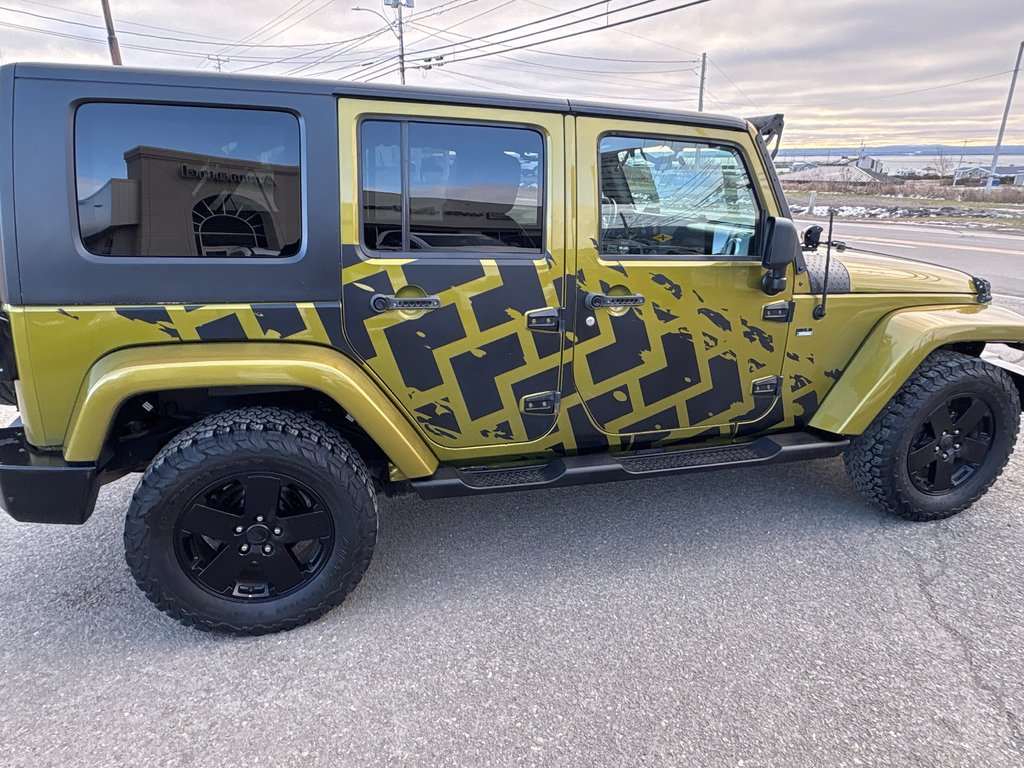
{"type": "Point", "coordinates": [765, 617]}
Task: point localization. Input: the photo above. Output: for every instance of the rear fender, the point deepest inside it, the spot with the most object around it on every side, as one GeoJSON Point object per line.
{"type": "Point", "coordinates": [129, 372]}
{"type": "Point", "coordinates": [896, 347]}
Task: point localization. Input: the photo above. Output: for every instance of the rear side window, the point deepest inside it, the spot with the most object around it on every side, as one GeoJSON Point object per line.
{"type": "Point", "coordinates": [465, 187]}
{"type": "Point", "coordinates": [176, 181]}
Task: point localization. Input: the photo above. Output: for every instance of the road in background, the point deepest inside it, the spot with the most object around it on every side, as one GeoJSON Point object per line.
{"type": "Point", "coordinates": [996, 255]}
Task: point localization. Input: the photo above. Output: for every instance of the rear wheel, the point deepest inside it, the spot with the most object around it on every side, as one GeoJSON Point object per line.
{"type": "Point", "coordinates": [942, 440]}
{"type": "Point", "coordinates": [252, 521]}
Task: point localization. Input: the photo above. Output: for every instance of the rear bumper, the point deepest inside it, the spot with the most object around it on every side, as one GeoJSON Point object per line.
{"type": "Point", "coordinates": [40, 487]}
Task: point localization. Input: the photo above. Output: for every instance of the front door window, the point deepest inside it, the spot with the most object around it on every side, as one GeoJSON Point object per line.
{"type": "Point", "coordinates": [665, 197]}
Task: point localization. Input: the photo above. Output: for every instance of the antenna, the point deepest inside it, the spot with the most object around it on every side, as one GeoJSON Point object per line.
{"type": "Point", "coordinates": [822, 309]}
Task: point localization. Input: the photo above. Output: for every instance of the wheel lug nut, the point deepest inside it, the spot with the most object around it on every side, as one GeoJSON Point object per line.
{"type": "Point", "coordinates": [267, 549]}
{"type": "Point", "coordinates": [277, 531]}
{"type": "Point", "coordinates": [239, 529]}
{"type": "Point", "coordinates": [936, 449]}
{"type": "Point", "coordinates": [259, 518]}
{"type": "Point", "coordinates": [244, 548]}
{"type": "Point", "coordinates": [957, 446]}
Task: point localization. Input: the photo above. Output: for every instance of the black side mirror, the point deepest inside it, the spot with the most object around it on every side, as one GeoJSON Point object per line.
{"type": "Point", "coordinates": [782, 248]}
{"type": "Point", "coordinates": [812, 238]}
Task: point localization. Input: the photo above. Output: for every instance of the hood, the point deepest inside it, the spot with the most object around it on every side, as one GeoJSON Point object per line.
{"type": "Point", "coordinates": [883, 274]}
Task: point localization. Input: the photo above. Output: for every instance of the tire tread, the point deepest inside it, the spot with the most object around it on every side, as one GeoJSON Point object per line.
{"type": "Point", "coordinates": [870, 459]}
{"type": "Point", "coordinates": [254, 428]}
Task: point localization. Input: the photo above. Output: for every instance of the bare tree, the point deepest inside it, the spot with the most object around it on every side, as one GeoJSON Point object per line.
{"type": "Point", "coordinates": [943, 163]}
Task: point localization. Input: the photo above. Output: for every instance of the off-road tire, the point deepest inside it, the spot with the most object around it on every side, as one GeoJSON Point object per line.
{"type": "Point", "coordinates": [877, 460]}
{"type": "Point", "coordinates": [260, 438]}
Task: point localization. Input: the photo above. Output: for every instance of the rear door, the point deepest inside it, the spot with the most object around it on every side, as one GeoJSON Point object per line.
{"type": "Point", "coordinates": [671, 336]}
{"type": "Point", "coordinates": [453, 264]}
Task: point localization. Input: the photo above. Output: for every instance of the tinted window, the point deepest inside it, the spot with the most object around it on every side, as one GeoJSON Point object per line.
{"type": "Point", "coordinates": [675, 198]}
{"type": "Point", "coordinates": [158, 180]}
{"type": "Point", "coordinates": [467, 187]}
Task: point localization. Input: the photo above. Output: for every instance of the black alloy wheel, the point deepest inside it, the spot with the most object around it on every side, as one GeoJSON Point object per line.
{"type": "Point", "coordinates": [951, 444]}
{"type": "Point", "coordinates": [254, 536]}
{"type": "Point", "coordinates": [252, 521]}
{"type": "Point", "coordinates": [941, 441]}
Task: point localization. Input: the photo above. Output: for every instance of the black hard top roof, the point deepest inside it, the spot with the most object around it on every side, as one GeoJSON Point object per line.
{"type": "Point", "coordinates": [215, 80]}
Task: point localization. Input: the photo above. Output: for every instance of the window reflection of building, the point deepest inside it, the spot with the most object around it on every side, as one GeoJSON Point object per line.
{"type": "Point", "coordinates": [175, 203]}
{"type": "Point", "coordinates": [225, 221]}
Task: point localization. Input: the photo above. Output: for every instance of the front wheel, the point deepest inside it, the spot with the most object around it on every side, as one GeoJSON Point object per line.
{"type": "Point", "coordinates": [252, 521]}
{"type": "Point", "coordinates": [941, 441]}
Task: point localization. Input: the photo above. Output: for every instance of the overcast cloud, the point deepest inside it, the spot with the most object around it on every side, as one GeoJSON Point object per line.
{"type": "Point", "coordinates": [837, 68]}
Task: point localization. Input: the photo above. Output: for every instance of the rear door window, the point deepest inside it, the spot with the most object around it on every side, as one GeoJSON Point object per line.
{"type": "Point", "coordinates": [465, 187]}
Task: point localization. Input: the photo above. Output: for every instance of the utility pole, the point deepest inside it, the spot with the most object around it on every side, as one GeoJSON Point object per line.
{"type": "Point", "coordinates": [960, 164]}
{"type": "Point", "coordinates": [218, 61]}
{"type": "Point", "coordinates": [1006, 116]}
{"type": "Point", "coordinates": [400, 34]}
{"type": "Point", "coordinates": [400, 4]}
{"type": "Point", "coordinates": [703, 80]}
{"type": "Point", "coordinates": [115, 49]}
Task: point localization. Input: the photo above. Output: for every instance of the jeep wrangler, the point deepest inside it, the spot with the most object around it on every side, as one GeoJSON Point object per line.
{"type": "Point", "coordinates": [280, 299]}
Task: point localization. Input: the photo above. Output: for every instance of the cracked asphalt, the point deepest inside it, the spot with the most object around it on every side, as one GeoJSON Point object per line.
{"type": "Point", "coordinates": [742, 618]}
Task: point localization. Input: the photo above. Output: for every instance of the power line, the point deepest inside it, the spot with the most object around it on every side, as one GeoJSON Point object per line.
{"type": "Point", "coordinates": [144, 34]}
{"type": "Point", "coordinates": [902, 93]}
{"type": "Point", "coordinates": [528, 89]}
{"type": "Point", "coordinates": [607, 80]}
{"type": "Point", "coordinates": [415, 21]}
{"type": "Point", "coordinates": [733, 82]}
{"type": "Point", "coordinates": [544, 20]}
{"type": "Point", "coordinates": [152, 49]}
{"type": "Point", "coordinates": [590, 69]}
{"type": "Point", "coordinates": [285, 14]}
{"type": "Point", "coordinates": [342, 49]}
{"type": "Point", "coordinates": [647, 40]}
{"type": "Point", "coordinates": [122, 22]}
{"type": "Point", "coordinates": [451, 5]}
{"type": "Point", "coordinates": [295, 23]}
{"type": "Point", "coordinates": [562, 38]}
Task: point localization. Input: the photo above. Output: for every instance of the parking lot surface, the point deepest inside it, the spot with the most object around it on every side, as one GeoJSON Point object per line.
{"type": "Point", "coordinates": [741, 618]}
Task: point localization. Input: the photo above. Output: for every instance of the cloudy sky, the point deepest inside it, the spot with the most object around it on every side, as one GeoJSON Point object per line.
{"type": "Point", "coordinates": [845, 72]}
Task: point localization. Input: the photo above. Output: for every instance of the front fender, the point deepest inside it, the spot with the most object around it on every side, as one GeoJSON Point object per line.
{"type": "Point", "coordinates": [896, 347]}
{"type": "Point", "coordinates": [129, 372]}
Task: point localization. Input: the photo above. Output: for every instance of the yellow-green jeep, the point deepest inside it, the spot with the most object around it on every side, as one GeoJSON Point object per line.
{"type": "Point", "coordinates": [279, 299]}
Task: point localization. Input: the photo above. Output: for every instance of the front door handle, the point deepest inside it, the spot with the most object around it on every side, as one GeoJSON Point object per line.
{"type": "Point", "coordinates": [604, 301]}
{"type": "Point", "coordinates": [379, 302]}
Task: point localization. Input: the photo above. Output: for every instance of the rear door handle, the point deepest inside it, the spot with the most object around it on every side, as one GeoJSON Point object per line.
{"type": "Point", "coordinates": [603, 301]}
{"type": "Point", "coordinates": [379, 302]}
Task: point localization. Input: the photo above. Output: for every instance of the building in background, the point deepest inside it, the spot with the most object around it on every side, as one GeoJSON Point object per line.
{"type": "Point", "coordinates": [175, 202]}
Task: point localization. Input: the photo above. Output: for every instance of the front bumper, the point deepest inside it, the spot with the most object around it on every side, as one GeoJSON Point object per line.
{"type": "Point", "coordinates": [40, 487]}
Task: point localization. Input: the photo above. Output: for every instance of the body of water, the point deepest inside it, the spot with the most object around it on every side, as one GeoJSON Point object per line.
{"type": "Point", "coordinates": [918, 160]}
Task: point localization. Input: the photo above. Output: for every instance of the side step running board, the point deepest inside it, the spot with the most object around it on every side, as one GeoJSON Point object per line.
{"type": "Point", "coordinates": [603, 468]}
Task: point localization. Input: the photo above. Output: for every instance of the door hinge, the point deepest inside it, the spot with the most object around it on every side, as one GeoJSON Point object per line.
{"type": "Point", "coordinates": [767, 387]}
{"type": "Point", "coordinates": [541, 404]}
{"type": "Point", "coordinates": [780, 312]}
{"type": "Point", "coordinates": [545, 320]}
